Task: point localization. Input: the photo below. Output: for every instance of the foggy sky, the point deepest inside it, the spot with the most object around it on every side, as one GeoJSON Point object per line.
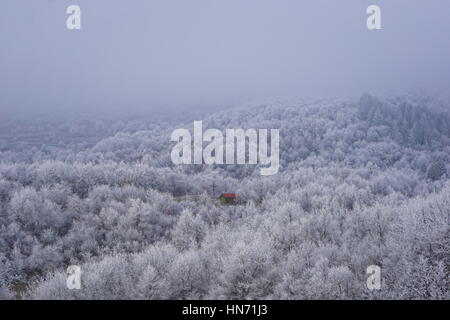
{"type": "Point", "coordinates": [163, 54]}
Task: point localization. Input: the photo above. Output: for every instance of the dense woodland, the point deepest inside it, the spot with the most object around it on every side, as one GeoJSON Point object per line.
{"type": "Point", "coordinates": [361, 182]}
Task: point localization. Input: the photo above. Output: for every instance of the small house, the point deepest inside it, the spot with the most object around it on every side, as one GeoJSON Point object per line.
{"type": "Point", "coordinates": [228, 198]}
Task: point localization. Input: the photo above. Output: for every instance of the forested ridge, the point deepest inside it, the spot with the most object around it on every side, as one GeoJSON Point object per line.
{"type": "Point", "coordinates": [361, 182]}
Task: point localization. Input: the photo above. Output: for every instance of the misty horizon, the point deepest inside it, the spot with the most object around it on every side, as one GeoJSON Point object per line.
{"type": "Point", "coordinates": [164, 56]}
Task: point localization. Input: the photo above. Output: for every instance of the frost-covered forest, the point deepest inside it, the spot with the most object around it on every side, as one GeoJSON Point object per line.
{"type": "Point", "coordinates": [361, 182]}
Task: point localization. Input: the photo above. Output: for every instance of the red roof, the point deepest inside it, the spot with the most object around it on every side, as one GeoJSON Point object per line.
{"type": "Point", "coordinates": [229, 195]}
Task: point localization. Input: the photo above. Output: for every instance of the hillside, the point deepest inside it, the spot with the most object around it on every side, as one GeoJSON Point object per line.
{"type": "Point", "coordinates": [361, 182]}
